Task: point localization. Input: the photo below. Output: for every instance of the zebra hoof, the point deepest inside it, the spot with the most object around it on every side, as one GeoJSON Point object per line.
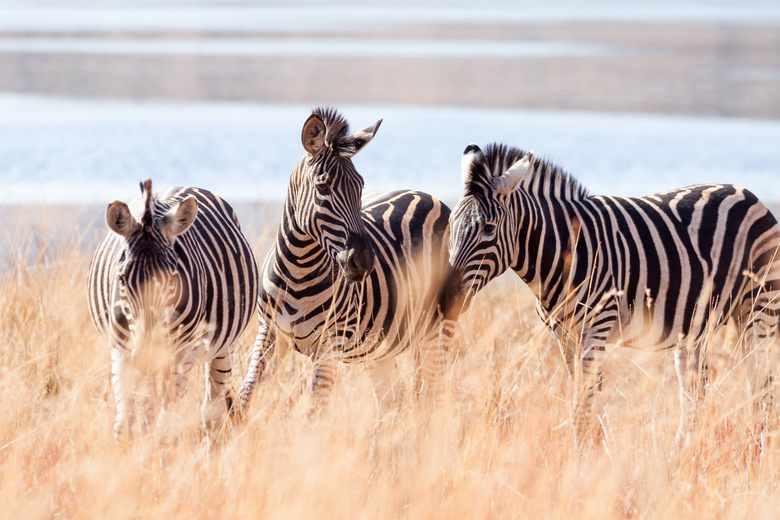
{"type": "Point", "coordinates": [237, 413]}
{"type": "Point", "coordinates": [232, 406]}
{"type": "Point", "coordinates": [122, 435]}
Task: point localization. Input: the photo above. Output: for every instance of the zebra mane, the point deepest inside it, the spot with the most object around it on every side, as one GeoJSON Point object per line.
{"type": "Point", "coordinates": [148, 217]}
{"type": "Point", "coordinates": [497, 158]}
{"type": "Point", "coordinates": [337, 135]}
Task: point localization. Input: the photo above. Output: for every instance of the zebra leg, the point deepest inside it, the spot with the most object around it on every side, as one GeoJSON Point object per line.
{"type": "Point", "coordinates": [145, 405]}
{"type": "Point", "coordinates": [122, 380]}
{"type": "Point", "coordinates": [261, 351]}
{"type": "Point", "coordinates": [174, 386]}
{"type": "Point", "coordinates": [567, 349]}
{"type": "Point", "coordinates": [760, 333]}
{"type": "Point", "coordinates": [691, 367]}
{"type": "Point", "coordinates": [325, 367]}
{"type": "Point", "coordinates": [566, 345]}
{"type": "Point", "coordinates": [434, 360]}
{"type": "Point", "coordinates": [592, 365]}
{"type": "Point", "coordinates": [433, 365]}
{"type": "Point", "coordinates": [214, 407]}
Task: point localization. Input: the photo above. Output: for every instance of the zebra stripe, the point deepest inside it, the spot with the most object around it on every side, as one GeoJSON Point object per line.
{"type": "Point", "coordinates": [174, 270]}
{"type": "Point", "coordinates": [661, 272]}
{"type": "Point", "coordinates": [345, 282]}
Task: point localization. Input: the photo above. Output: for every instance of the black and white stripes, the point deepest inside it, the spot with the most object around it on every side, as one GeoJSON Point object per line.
{"type": "Point", "coordinates": [345, 282]}
{"type": "Point", "coordinates": [661, 272]}
{"type": "Point", "coordinates": [173, 284]}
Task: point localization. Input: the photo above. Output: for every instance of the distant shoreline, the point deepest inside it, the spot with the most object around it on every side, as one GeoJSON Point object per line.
{"type": "Point", "coordinates": [711, 66]}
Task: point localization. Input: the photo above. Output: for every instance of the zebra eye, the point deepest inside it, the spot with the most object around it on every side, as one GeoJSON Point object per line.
{"type": "Point", "coordinates": [323, 187]}
{"type": "Point", "coordinates": [488, 229]}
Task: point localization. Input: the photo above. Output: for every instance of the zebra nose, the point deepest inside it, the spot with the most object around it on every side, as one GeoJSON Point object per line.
{"type": "Point", "coordinates": [356, 262]}
{"type": "Point", "coordinates": [452, 295]}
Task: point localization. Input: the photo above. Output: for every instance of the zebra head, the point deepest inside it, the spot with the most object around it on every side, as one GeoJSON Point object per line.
{"type": "Point", "coordinates": [148, 286]}
{"type": "Point", "coordinates": [329, 191]}
{"type": "Point", "coordinates": [483, 224]}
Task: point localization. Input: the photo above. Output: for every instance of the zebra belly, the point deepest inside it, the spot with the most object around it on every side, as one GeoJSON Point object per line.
{"type": "Point", "coordinates": [679, 314]}
{"type": "Point", "coordinates": [339, 339]}
{"type": "Point", "coordinates": [638, 334]}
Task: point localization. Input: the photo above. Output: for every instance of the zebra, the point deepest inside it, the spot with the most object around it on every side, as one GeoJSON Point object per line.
{"type": "Point", "coordinates": [174, 271]}
{"type": "Point", "coordinates": [349, 283]}
{"type": "Point", "coordinates": [663, 271]}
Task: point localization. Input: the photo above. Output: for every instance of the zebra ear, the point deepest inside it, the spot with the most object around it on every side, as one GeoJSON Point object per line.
{"type": "Point", "coordinates": [120, 220]}
{"type": "Point", "coordinates": [177, 220]}
{"type": "Point", "coordinates": [363, 137]}
{"type": "Point", "coordinates": [313, 134]}
{"type": "Point", "coordinates": [469, 155]}
{"type": "Point", "coordinates": [511, 178]}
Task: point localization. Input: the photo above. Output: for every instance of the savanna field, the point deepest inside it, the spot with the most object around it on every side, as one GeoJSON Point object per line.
{"type": "Point", "coordinates": [631, 98]}
{"type": "Point", "coordinates": [500, 446]}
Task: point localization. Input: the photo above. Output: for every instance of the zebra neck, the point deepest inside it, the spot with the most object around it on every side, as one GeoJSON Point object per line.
{"type": "Point", "coordinates": [543, 252]}
{"type": "Point", "coordinates": [300, 259]}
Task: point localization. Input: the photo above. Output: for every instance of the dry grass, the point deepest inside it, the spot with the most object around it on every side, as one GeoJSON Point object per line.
{"type": "Point", "coordinates": [499, 448]}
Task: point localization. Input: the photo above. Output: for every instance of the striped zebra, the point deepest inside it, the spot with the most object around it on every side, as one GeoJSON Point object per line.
{"type": "Point", "coordinates": [661, 272]}
{"type": "Point", "coordinates": [172, 284]}
{"type": "Point", "coordinates": [345, 283]}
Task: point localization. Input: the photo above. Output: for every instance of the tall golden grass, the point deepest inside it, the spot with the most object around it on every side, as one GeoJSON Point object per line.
{"type": "Point", "coordinates": [499, 447]}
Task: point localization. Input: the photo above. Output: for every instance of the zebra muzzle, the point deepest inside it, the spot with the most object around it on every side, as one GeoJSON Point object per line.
{"type": "Point", "coordinates": [453, 296]}
{"type": "Point", "coordinates": [356, 262]}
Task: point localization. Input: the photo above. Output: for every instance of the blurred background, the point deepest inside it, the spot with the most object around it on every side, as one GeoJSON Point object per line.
{"type": "Point", "coordinates": [631, 97]}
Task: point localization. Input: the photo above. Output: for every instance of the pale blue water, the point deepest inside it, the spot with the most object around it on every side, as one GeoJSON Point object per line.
{"type": "Point", "coordinates": [60, 150]}
{"type": "Point", "coordinates": [309, 47]}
